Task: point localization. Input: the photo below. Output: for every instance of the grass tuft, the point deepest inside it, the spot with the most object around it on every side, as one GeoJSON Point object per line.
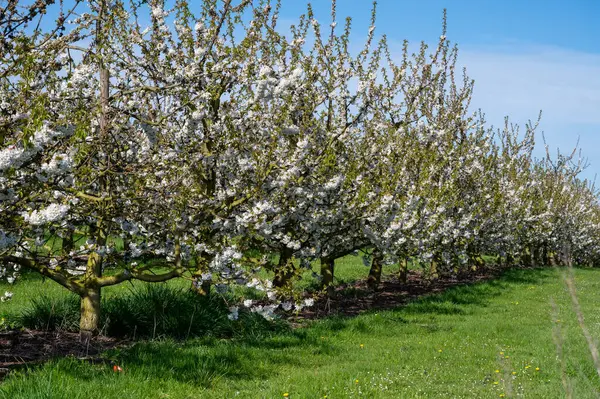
{"type": "Point", "coordinates": [51, 313]}
{"type": "Point", "coordinates": [150, 311]}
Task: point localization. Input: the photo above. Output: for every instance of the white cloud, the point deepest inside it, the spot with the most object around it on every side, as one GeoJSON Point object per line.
{"type": "Point", "coordinates": [564, 84]}
{"type": "Point", "coordinates": [521, 80]}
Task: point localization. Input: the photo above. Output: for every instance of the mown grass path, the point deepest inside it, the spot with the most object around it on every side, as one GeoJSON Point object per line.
{"type": "Point", "coordinates": [488, 340]}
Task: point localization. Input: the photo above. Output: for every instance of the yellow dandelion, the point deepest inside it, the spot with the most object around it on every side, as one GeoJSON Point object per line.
{"type": "Point", "coordinates": [537, 369]}
{"type": "Point", "coordinates": [439, 350]}
{"type": "Point", "coordinates": [528, 366]}
{"type": "Point", "coordinates": [362, 346]}
{"type": "Point", "coordinates": [496, 382]}
{"type": "Point", "coordinates": [502, 353]}
{"type": "Point", "coordinates": [356, 381]}
{"type": "Point", "coordinates": [285, 395]}
{"type": "Point", "coordinates": [501, 395]}
{"type": "Point", "coordinates": [506, 357]}
{"type": "Point", "coordinates": [514, 373]}
{"type": "Point", "coordinates": [497, 371]}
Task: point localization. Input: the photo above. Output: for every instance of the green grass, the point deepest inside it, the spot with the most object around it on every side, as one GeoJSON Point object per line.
{"type": "Point", "coordinates": [32, 285]}
{"type": "Point", "coordinates": [445, 345]}
{"type": "Point", "coordinates": [151, 312]}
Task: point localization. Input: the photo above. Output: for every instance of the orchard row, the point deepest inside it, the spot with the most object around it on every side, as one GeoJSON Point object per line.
{"type": "Point", "coordinates": [139, 142]}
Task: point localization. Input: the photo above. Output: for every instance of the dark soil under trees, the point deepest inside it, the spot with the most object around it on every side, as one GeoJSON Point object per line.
{"type": "Point", "coordinates": [22, 348]}
{"type": "Point", "coordinates": [355, 298]}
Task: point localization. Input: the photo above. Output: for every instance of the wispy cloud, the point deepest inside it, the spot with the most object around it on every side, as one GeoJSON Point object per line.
{"type": "Point", "coordinates": [521, 80]}
{"type": "Point", "coordinates": [565, 84]}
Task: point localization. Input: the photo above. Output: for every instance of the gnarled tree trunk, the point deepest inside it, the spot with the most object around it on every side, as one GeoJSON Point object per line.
{"type": "Point", "coordinates": [90, 313]}
{"type": "Point", "coordinates": [403, 275]}
{"type": "Point", "coordinates": [200, 285]}
{"type": "Point", "coordinates": [527, 258]}
{"type": "Point", "coordinates": [536, 256]}
{"type": "Point", "coordinates": [374, 278]}
{"type": "Point", "coordinates": [478, 261]}
{"type": "Point", "coordinates": [327, 269]}
{"type": "Point", "coordinates": [510, 260]}
{"type": "Point", "coordinates": [434, 267]}
{"type": "Point", "coordinates": [285, 269]}
{"type": "Point", "coordinates": [90, 299]}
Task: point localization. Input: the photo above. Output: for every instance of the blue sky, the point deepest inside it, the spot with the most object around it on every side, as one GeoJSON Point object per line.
{"type": "Point", "coordinates": [525, 56]}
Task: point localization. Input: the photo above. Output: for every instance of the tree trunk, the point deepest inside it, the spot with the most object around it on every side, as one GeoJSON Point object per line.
{"type": "Point", "coordinates": [545, 256]}
{"type": "Point", "coordinates": [327, 265]}
{"type": "Point", "coordinates": [284, 270]}
{"type": "Point", "coordinates": [200, 285]}
{"type": "Point", "coordinates": [479, 262]}
{"type": "Point", "coordinates": [90, 299]}
{"type": "Point", "coordinates": [375, 273]}
{"type": "Point", "coordinates": [551, 261]}
{"type": "Point", "coordinates": [433, 267]}
{"type": "Point", "coordinates": [527, 257]}
{"type": "Point", "coordinates": [510, 260]}
{"type": "Point", "coordinates": [472, 261]}
{"type": "Point", "coordinates": [403, 276]}
{"type": "Point", "coordinates": [536, 256]}
{"type": "Point", "coordinates": [90, 314]}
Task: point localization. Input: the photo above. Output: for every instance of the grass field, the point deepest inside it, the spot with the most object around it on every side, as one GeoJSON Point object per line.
{"type": "Point", "coordinates": [493, 339]}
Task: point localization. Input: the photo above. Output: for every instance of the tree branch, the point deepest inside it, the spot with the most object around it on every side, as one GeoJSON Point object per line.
{"type": "Point", "coordinates": [56, 276]}
{"type": "Point", "coordinates": [128, 275]}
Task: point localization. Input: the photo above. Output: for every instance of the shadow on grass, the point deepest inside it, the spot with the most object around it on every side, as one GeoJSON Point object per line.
{"type": "Point", "coordinates": [262, 356]}
{"type": "Point", "coordinates": [262, 351]}
{"type": "Point", "coordinates": [171, 317]}
{"type": "Point", "coordinates": [456, 296]}
{"type": "Point", "coordinates": [198, 362]}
